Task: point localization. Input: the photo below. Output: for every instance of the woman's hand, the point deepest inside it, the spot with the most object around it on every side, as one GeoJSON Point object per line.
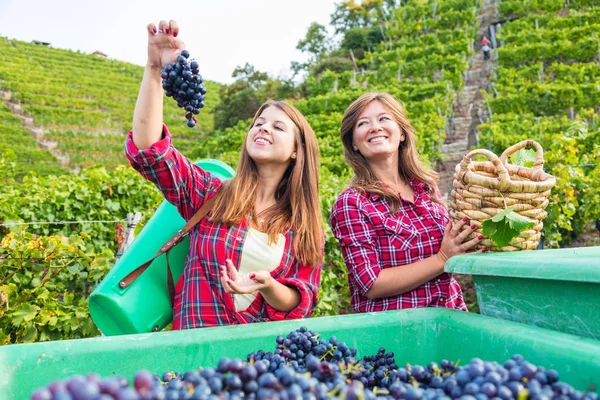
{"type": "Point", "coordinates": [454, 243]}
{"type": "Point", "coordinates": [235, 283]}
{"type": "Point", "coordinates": [163, 45]}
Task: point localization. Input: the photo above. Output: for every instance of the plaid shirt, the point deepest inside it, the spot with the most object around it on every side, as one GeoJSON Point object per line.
{"type": "Point", "coordinates": [200, 299]}
{"type": "Point", "coordinates": [372, 239]}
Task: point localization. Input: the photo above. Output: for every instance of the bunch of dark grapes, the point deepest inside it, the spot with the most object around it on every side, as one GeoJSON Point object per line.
{"type": "Point", "coordinates": [301, 343]}
{"type": "Point", "coordinates": [305, 367]}
{"type": "Point", "coordinates": [183, 82]}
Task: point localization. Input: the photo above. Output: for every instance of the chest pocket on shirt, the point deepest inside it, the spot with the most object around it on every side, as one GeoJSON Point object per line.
{"type": "Point", "coordinates": [439, 215]}
{"type": "Point", "coordinates": [397, 232]}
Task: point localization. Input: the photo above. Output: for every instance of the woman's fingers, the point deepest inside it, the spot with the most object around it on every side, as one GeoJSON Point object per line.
{"type": "Point", "coordinates": [163, 26]}
{"type": "Point", "coordinates": [174, 28]}
{"type": "Point", "coordinates": [471, 243]}
{"type": "Point", "coordinates": [465, 233]}
{"type": "Point", "coordinates": [242, 290]}
{"type": "Point", "coordinates": [152, 29]}
{"type": "Point", "coordinates": [260, 276]}
{"type": "Point", "coordinates": [458, 227]}
{"type": "Point", "coordinates": [225, 279]}
{"type": "Point", "coordinates": [448, 229]}
{"type": "Point", "coordinates": [484, 250]}
{"type": "Point", "coordinates": [232, 271]}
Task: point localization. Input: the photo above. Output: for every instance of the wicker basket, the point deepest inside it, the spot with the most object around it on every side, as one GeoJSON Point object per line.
{"type": "Point", "coordinates": [484, 189]}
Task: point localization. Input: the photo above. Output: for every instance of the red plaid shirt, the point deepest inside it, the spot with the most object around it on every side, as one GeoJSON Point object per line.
{"type": "Point", "coordinates": [372, 239]}
{"type": "Point", "coordinates": [200, 299]}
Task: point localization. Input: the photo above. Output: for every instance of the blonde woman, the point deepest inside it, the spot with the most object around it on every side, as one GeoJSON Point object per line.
{"type": "Point", "coordinates": [391, 223]}
{"type": "Point", "coordinates": [256, 255]}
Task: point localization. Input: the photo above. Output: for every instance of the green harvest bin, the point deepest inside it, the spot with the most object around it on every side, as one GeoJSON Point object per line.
{"type": "Point", "coordinates": [145, 306]}
{"type": "Point", "coordinates": [556, 289]}
{"type": "Point", "coordinates": [417, 336]}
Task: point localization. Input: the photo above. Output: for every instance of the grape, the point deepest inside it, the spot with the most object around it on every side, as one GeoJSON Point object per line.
{"type": "Point", "coordinates": [182, 81]}
{"type": "Point", "coordinates": [42, 394]}
{"type": "Point", "coordinates": [528, 370]}
{"type": "Point", "coordinates": [488, 389]}
{"type": "Point", "coordinates": [305, 366]}
{"type": "Point", "coordinates": [143, 381]}
{"type": "Point", "coordinates": [463, 377]}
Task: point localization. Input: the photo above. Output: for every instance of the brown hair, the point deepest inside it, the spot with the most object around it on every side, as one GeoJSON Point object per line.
{"type": "Point", "coordinates": [410, 164]}
{"type": "Point", "coordinates": [297, 205]}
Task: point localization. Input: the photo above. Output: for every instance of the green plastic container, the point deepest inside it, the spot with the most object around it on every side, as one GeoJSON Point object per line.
{"type": "Point", "coordinates": [417, 336]}
{"type": "Point", "coordinates": [145, 306]}
{"type": "Point", "coordinates": [556, 289]}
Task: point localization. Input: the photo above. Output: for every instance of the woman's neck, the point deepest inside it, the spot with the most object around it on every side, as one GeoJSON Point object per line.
{"type": "Point", "coordinates": [387, 172]}
{"type": "Point", "coordinates": [268, 181]}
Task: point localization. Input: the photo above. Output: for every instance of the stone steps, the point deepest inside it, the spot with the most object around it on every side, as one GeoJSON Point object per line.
{"type": "Point", "coordinates": [468, 105]}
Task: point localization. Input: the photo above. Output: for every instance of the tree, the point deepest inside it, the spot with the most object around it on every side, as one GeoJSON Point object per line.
{"type": "Point", "coordinates": [250, 75]}
{"type": "Point", "coordinates": [350, 14]}
{"type": "Point", "coordinates": [316, 43]}
{"type": "Point", "coordinates": [240, 100]}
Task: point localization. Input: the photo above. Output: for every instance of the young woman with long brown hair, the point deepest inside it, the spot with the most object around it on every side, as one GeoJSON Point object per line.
{"type": "Point", "coordinates": [391, 223]}
{"type": "Point", "coordinates": [256, 255]}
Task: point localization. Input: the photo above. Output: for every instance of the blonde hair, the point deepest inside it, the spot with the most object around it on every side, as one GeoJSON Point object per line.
{"type": "Point", "coordinates": [410, 164]}
{"type": "Point", "coordinates": [297, 205]}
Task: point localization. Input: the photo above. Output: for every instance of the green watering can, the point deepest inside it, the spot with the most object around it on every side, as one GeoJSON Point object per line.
{"type": "Point", "coordinates": [145, 306]}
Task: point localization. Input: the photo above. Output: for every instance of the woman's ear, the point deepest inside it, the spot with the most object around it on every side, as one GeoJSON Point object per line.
{"type": "Point", "coordinates": [294, 155]}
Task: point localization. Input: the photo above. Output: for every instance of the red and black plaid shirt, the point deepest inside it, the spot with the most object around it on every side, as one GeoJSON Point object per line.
{"type": "Point", "coordinates": [200, 299]}
{"type": "Point", "coordinates": [372, 239]}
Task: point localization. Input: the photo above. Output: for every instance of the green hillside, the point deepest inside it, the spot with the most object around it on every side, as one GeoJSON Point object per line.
{"type": "Point", "coordinates": [83, 103]}
{"type": "Point", "coordinates": [547, 88]}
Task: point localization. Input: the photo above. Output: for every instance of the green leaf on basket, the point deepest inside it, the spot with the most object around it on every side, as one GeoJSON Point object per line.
{"type": "Point", "coordinates": [524, 158]}
{"type": "Point", "coordinates": [519, 222]}
{"type": "Point", "coordinates": [505, 226]}
{"type": "Point", "coordinates": [500, 216]}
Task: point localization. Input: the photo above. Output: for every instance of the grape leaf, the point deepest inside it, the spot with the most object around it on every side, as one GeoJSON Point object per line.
{"type": "Point", "coordinates": [24, 313]}
{"type": "Point", "coordinates": [519, 222]}
{"type": "Point", "coordinates": [524, 157]}
{"type": "Point", "coordinates": [505, 226]}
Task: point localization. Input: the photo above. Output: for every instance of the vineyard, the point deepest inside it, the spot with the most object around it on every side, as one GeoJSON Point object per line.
{"type": "Point", "coordinates": [547, 89]}
{"type": "Point", "coordinates": [84, 105]}
{"type": "Point", "coordinates": [544, 87]}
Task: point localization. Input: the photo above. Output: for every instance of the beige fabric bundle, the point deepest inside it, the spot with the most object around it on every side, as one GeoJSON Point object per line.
{"type": "Point", "coordinates": [483, 189]}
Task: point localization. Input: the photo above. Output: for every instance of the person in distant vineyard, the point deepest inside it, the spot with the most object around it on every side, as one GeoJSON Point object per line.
{"type": "Point", "coordinates": [391, 223]}
{"type": "Point", "coordinates": [256, 256]}
{"type": "Point", "coordinates": [485, 48]}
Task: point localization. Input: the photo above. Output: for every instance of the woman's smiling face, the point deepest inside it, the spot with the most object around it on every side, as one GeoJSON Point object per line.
{"type": "Point", "coordinates": [376, 134]}
{"type": "Point", "coordinates": [272, 138]}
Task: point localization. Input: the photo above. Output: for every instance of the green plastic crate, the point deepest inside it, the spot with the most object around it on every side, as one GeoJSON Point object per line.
{"type": "Point", "coordinates": [417, 336]}
{"type": "Point", "coordinates": [556, 289]}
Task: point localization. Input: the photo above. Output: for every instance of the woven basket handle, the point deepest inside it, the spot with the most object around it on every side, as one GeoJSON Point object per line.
{"type": "Point", "coordinates": [500, 167]}
{"type": "Point", "coordinates": [538, 165]}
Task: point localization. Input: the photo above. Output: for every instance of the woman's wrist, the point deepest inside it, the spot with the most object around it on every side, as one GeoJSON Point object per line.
{"type": "Point", "coordinates": [153, 70]}
{"type": "Point", "coordinates": [441, 259]}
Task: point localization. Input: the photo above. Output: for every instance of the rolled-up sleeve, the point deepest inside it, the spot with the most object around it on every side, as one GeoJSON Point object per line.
{"type": "Point", "coordinates": [181, 182]}
{"type": "Point", "coordinates": [306, 279]}
{"type": "Point", "coordinates": [357, 239]}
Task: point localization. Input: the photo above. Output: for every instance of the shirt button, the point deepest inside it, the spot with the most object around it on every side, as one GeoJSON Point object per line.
{"type": "Point", "coordinates": [438, 280]}
{"type": "Point", "coordinates": [238, 238]}
{"type": "Point", "coordinates": [432, 238]}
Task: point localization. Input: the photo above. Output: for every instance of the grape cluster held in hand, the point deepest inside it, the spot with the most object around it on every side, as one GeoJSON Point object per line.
{"type": "Point", "coordinates": [183, 82]}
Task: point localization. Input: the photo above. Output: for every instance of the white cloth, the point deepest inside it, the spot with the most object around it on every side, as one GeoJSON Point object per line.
{"type": "Point", "coordinates": [257, 255]}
